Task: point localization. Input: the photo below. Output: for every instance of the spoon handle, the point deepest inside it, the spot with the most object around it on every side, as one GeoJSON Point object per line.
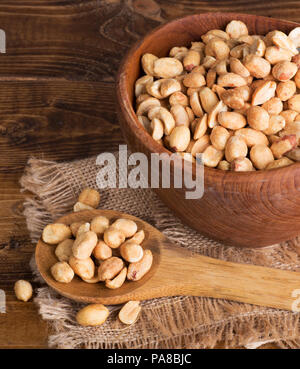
{"type": "Point", "coordinates": [203, 276]}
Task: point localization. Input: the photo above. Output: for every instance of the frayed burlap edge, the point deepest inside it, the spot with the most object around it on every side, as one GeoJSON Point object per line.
{"type": "Point", "coordinates": [189, 322]}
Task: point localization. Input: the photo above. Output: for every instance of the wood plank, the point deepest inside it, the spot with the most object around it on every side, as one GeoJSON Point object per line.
{"type": "Point", "coordinates": [56, 120]}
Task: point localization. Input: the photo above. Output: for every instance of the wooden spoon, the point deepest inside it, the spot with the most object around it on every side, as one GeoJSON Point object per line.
{"type": "Point", "coordinates": [175, 271]}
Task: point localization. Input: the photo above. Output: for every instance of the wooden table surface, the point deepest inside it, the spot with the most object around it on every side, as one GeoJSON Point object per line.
{"type": "Point", "coordinates": [57, 102]}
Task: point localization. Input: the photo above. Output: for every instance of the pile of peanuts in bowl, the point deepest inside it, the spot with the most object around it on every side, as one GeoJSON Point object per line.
{"type": "Point", "coordinates": [99, 252]}
{"type": "Point", "coordinates": [232, 97]}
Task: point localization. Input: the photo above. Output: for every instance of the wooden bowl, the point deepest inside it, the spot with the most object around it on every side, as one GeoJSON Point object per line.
{"type": "Point", "coordinates": [250, 209]}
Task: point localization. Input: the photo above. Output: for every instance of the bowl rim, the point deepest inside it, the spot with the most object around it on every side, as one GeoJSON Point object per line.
{"type": "Point", "coordinates": [140, 132]}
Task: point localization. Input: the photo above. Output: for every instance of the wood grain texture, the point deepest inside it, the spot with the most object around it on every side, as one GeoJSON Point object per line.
{"type": "Point", "coordinates": [175, 271]}
{"type": "Point", "coordinates": [250, 209]}
{"type": "Point", "coordinates": [51, 43]}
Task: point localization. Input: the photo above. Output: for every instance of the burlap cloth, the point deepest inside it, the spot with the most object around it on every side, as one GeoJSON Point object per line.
{"type": "Point", "coordinates": [175, 322]}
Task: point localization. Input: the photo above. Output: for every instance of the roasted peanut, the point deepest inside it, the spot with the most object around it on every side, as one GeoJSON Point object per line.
{"type": "Point", "coordinates": [195, 104]}
{"type": "Point", "coordinates": [241, 165]}
{"type": "Point", "coordinates": [110, 268]}
{"type": "Point", "coordinates": [163, 87]}
{"type": "Point", "coordinates": [294, 103]}
{"type": "Point", "coordinates": [276, 124]}
{"type": "Point", "coordinates": [80, 206]}
{"type": "Point", "coordinates": [231, 120]}
{"type": "Point", "coordinates": [165, 116]}
{"type": "Point", "coordinates": [212, 156]}
{"type": "Point", "coordinates": [224, 165]}
{"type": "Point", "coordinates": [74, 227]}
{"type": "Point", "coordinates": [102, 251]}
{"type": "Point", "coordinates": [56, 233]}
{"type": "Point", "coordinates": [157, 129]}
{"type": "Point", "coordinates": [84, 245]}
{"type": "Point", "coordinates": [23, 290]}
{"type": "Point", "coordinates": [140, 85]}
{"type": "Point", "coordinates": [85, 227]}
{"type": "Point", "coordinates": [127, 226]}
{"type": "Point", "coordinates": [200, 127]}
{"type": "Point", "coordinates": [191, 60]}
{"type": "Point", "coordinates": [273, 106]}
{"type": "Point", "coordinates": [258, 118]}
{"type": "Point", "coordinates": [211, 77]}
{"type": "Point", "coordinates": [261, 156]}
{"type": "Point", "coordinates": [219, 136]}
{"type": "Point", "coordinates": [169, 86]}
{"type": "Point", "coordinates": [136, 271]}
{"type": "Point", "coordinates": [294, 35]}
{"type": "Point", "coordinates": [280, 39]}
{"type": "Point", "coordinates": [284, 71]}
{"type": "Point", "coordinates": [279, 163]}
{"type": "Point", "coordinates": [144, 96]}
{"type": "Point", "coordinates": [118, 281]}
{"type": "Point", "coordinates": [257, 66]}
{"type": "Point", "coordinates": [63, 250]}
{"type": "Point", "coordinates": [93, 280]}
{"type": "Point", "coordinates": [84, 268]}
{"type": "Point", "coordinates": [240, 51]}
{"type": "Point", "coordinates": [177, 50]}
{"type": "Point", "coordinates": [130, 312]}
{"type": "Point", "coordinates": [258, 47]}
{"type": "Point", "coordinates": [113, 237]}
{"type": "Point", "coordinates": [131, 252]}
{"type": "Point", "coordinates": [237, 67]}
{"type": "Point", "coordinates": [186, 156]}
{"type": "Point", "coordinates": [283, 146]}
{"type": "Point", "coordinates": [252, 136]}
{"type": "Point", "coordinates": [146, 105]}
{"type": "Point", "coordinates": [292, 128]}
{"type": "Point", "coordinates": [198, 46]}
{"type": "Point", "coordinates": [244, 109]}
{"type": "Point", "coordinates": [89, 196]}
{"type": "Point", "coordinates": [263, 93]}
{"type": "Point", "coordinates": [231, 80]}
{"type": "Point", "coordinates": [235, 148]}
{"type": "Point", "coordinates": [220, 67]}
{"type": "Point", "coordinates": [285, 90]}
{"type": "Point", "coordinates": [167, 67]}
{"type": "Point", "coordinates": [99, 224]}
{"type": "Point", "coordinates": [212, 116]}
{"type": "Point", "coordinates": [148, 63]}
{"type": "Point", "coordinates": [208, 61]}
{"type": "Point", "coordinates": [289, 115]}
{"type": "Point", "coordinates": [194, 80]}
{"type": "Point", "coordinates": [62, 272]}
{"type": "Point", "coordinates": [178, 98]}
{"type": "Point", "coordinates": [275, 54]}
{"type": "Point", "coordinates": [180, 138]}
{"type": "Point", "coordinates": [294, 154]}
{"type": "Point", "coordinates": [217, 48]}
{"type": "Point", "coordinates": [236, 29]}
{"type": "Point", "coordinates": [214, 33]}
{"type": "Point", "coordinates": [199, 145]}
{"type": "Point", "coordinates": [92, 315]}
{"type": "Point", "coordinates": [138, 237]}
{"type": "Point", "coordinates": [190, 114]}
{"type": "Point", "coordinates": [180, 115]}
{"type": "Point", "coordinates": [233, 98]}
{"type": "Point", "coordinates": [208, 99]}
